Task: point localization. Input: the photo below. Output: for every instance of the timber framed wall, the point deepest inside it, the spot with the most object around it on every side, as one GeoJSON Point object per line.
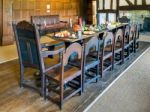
{"type": "Point", "coordinates": [114, 6]}
{"type": "Point", "coordinates": [107, 11]}
{"type": "Point", "coordinates": [134, 5]}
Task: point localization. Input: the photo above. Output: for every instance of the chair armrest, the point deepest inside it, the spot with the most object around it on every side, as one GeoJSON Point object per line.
{"type": "Point", "coordinates": [52, 67]}
{"type": "Point", "coordinates": [53, 44]}
{"type": "Point", "coordinates": [47, 53]}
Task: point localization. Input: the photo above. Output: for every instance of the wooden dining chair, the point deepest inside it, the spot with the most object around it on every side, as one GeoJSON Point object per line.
{"type": "Point", "coordinates": [132, 37]}
{"type": "Point", "coordinates": [66, 79]}
{"type": "Point", "coordinates": [126, 40]}
{"type": "Point", "coordinates": [31, 54]}
{"type": "Point", "coordinates": [136, 39]}
{"type": "Point", "coordinates": [118, 47]}
{"type": "Point", "coordinates": [90, 63]}
{"type": "Point", "coordinates": [106, 55]}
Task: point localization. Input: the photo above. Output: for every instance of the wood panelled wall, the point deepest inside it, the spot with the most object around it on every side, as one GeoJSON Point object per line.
{"type": "Point", "coordinates": [16, 10]}
{"type": "Point", "coordinates": [24, 9]}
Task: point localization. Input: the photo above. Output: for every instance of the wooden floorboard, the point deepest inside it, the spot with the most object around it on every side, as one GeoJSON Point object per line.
{"type": "Point", "coordinates": [16, 99]}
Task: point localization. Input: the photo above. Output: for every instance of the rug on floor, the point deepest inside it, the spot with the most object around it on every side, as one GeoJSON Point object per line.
{"type": "Point", "coordinates": [130, 93]}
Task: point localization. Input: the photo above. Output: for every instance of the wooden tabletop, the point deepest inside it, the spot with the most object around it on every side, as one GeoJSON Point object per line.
{"type": "Point", "coordinates": [71, 40]}
{"type": "Point", "coordinates": [49, 39]}
{"type": "Point", "coordinates": [45, 40]}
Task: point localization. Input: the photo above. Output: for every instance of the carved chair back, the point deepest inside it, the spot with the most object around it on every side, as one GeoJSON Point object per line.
{"type": "Point", "coordinates": [108, 43]}
{"type": "Point", "coordinates": [127, 33]}
{"type": "Point", "coordinates": [108, 39]}
{"type": "Point", "coordinates": [28, 44]}
{"type": "Point", "coordinates": [93, 43]}
{"type": "Point", "coordinates": [73, 48]}
{"type": "Point", "coordinates": [119, 38]}
{"type": "Point", "coordinates": [132, 31]}
{"type": "Point", "coordinates": [137, 31]}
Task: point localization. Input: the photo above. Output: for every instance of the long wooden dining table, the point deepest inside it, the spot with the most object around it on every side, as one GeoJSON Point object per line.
{"type": "Point", "coordinates": [50, 40]}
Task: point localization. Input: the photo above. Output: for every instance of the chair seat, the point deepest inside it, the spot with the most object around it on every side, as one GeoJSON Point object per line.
{"type": "Point", "coordinates": [107, 55]}
{"type": "Point", "coordinates": [117, 49]}
{"type": "Point", "coordinates": [108, 48]}
{"type": "Point", "coordinates": [49, 62]}
{"type": "Point", "coordinates": [90, 62]}
{"type": "Point", "coordinates": [69, 73]}
{"type": "Point", "coordinates": [130, 41]}
{"type": "Point", "coordinates": [117, 44]}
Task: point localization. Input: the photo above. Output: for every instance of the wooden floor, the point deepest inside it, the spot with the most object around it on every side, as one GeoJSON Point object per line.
{"type": "Point", "coordinates": [8, 53]}
{"type": "Point", "coordinates": [16, 99]}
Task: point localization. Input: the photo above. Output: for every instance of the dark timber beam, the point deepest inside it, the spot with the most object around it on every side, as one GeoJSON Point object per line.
{"type": "Point", "coordinates": [143, 2]}
{"type": "Point", "coordinates": [111, 4]}
{"type": "Point", "coordinates": [135, 2]}
{"type": "Point", "coordinates": [129, 2]}
{"type": "Point", "coordinates": [103, 4]}
{"type": "Point", "coordinates": [117, 9]}
{"type": "Point", "coordinates": [83, 9]}
{"type": "Point", "coordinates": [107, 11]}
{"type": "Point", "coordinates": [139, 7]}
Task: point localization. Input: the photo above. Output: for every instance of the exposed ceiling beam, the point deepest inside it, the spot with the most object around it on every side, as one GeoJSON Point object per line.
{"type": "Point", "coordinates": [139, 7]}
{"type": "Point", "coordinates": [107, 11]}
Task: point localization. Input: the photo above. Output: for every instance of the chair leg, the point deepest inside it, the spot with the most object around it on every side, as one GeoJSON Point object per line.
{"type": "Point", "coordinates": [101, 68]}
{"type": "Point", "coordinates": [61, 95]}
{"type": "Point", "coordinates": [97, 72]}
{"type": "Point", "coordinates": [112, 62]}
{"type": "Point", "coordinates": [43, 84]}
{"type": "Point", "coordinates": [45, 88]}
{"type": "Point", "coordinates": [134, 47]}
{"type": "Point", "coordinates": [83, 80]}
{"type": "Point", "coordinates": [137, 44]}
{"type": "Point", "coordinates": [128, 51]}
{"type": "Point", "coordinates": [113, 59]}
{"type": "Point", "coordinates": [81, 84]}
{"type": "Point", "coordinates": [122, 57]}
{"type": "Point", "coordinates": [21, 75]}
